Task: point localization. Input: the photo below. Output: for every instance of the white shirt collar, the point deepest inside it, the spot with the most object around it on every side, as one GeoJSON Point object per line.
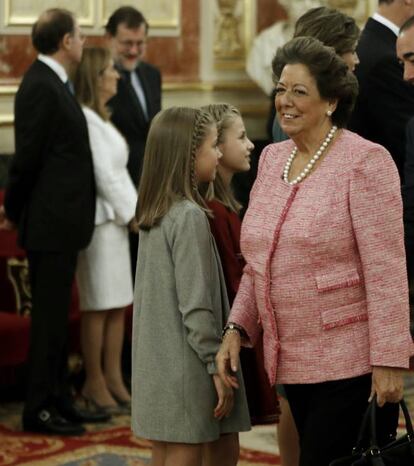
{"type": "Point", "coordinates": [387, 23]}
{"type": "Point", "coordinates": [54, 65]}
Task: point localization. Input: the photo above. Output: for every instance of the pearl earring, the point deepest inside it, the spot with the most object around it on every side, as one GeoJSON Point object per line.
{"type": "Point", "coordinates": [329, 113]}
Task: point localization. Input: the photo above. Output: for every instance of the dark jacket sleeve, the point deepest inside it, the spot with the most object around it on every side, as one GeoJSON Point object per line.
{"type": "Point", "coordinates": [408, 199]}
{"type": "Point", "coordinates": [34, 110]}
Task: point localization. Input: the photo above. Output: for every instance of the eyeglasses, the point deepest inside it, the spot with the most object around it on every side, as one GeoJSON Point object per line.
{"type": "Point", "coordinates": [129, 44]}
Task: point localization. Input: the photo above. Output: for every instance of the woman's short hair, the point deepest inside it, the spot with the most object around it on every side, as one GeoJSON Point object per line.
{"type": "Point", "coordinates": [86, 78]}
{"type": "Point", "coordinates": [49, 30]}
{"type": "Point", "coordinates": [331, 27]}
{"type": "Point", "coordinates": [333, 78]}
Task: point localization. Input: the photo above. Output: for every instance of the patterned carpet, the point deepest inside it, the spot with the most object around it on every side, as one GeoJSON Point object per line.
{"type": "Point", "coordinates": [112, 444]}
{"type": "Point", "coordinates": [109, 444]}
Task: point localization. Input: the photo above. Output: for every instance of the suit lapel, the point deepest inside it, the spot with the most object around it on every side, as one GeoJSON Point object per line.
{"type": "Point", "coordinates": [133, 99]}
{"type": "Point", "coordinates": [70, 98]}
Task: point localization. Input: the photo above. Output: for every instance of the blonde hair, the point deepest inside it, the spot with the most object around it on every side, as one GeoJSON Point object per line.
{"type": "Point", "coordinates": [94, 61]}
{"type": "Point", "coordinates": [168, 172]}
{"type": "Point", "coordinates": [224, 116]}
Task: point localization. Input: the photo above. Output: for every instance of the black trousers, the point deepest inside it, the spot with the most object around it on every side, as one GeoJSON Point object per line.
{"type": "Point", "coordinates": [51, 278]}
{"type": "Point", "coordinates": [328, 416]}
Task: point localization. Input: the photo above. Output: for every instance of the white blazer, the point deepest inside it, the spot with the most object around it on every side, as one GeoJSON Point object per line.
{"type": "Point", "coordinates": [116, 195]}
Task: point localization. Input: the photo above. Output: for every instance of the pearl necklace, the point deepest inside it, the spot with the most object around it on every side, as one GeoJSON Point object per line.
{"type": "Point", "coordinates": [305, 172]}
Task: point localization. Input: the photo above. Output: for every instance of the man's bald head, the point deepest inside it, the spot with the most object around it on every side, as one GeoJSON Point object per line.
{"type": "Point", "coordinates": [49, 30]}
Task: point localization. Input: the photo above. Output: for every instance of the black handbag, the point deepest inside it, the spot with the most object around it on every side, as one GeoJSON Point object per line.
{"type": "Point", "coordinates": [399, 452]}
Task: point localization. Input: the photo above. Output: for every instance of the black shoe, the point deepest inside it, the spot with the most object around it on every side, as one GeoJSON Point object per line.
{"type": "Point", "coordinates": [74, 413]}
{"type": "Point", "coordinates": [49, 422]}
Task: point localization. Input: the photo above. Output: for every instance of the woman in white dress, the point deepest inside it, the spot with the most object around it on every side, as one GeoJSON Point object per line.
{"type": "Point", "coordinates": [104, 271]}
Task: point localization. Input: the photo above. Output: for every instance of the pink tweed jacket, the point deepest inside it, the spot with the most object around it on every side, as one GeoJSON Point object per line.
{"type": "Point", "coordinates": [325, 283]}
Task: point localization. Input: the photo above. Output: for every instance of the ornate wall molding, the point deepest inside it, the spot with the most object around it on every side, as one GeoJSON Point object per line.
{"type": "Point", "coordinates": [232, 33]}
{"type": "Point", "coordinates": [161, 14]}
{"type": "Point", "coordinates": [24, 13]}
{"type": "Point", "coordinates": [358, 9]}
{"type": "Point", "coordinates": [164, 16]}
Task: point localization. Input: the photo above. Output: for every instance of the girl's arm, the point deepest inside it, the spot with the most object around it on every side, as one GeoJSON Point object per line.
{"type": "Point", "coordinates": [230, 255]}
{"type": "Point", "coordinates": [192, 257]}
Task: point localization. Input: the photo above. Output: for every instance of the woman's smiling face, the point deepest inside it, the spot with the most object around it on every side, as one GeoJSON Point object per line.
{"type": "Point", "coordinates": [300, 108]}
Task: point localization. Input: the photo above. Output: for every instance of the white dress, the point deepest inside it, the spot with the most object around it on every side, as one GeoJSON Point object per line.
{"type": "Point", "coordinates": [104, 272]}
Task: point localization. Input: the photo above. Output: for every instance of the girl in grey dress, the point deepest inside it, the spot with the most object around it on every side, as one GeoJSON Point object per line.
{"type": "Point", "coordinates": [180, 303]}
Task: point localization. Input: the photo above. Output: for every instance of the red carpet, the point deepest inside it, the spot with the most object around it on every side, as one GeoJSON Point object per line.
{"type": "Point", "coordinates": [111, 444]}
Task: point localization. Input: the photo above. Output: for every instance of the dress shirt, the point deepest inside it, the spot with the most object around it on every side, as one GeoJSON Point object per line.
{"type": "Point", "coordinates": [55, 66]}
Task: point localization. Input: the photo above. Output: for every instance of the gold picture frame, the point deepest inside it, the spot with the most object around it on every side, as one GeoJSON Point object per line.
{"type": "Point", "coordinates": [161, 14]}
{"type": "Point", "coordinates": [24, 13]}
{"type": "Point", "coordinates": [360, 10]}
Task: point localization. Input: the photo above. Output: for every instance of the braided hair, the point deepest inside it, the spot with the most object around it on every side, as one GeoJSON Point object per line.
{"type": "Point", "coordinates": [224, 115]}
{"type": "Point", "coordinates": [168, 173]}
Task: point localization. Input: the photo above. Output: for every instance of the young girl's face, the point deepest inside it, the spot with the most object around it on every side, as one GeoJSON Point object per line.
{"type": "Point", "coordinates": [236, 148]}
{"type": "Point", "coordinates": [207, 157]}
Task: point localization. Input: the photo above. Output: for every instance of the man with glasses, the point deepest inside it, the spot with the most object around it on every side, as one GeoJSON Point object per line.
{"type": "Point", "coordinates": [139, 90]}
{"type": "Point", "coordinates": [50, 196]}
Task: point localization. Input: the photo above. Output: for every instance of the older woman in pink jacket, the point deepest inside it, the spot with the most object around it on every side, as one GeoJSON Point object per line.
{"type": "Point", "coordinates": [325, 282]}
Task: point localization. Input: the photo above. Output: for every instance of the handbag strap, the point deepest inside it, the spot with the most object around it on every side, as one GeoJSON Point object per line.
{"type": "Point", "coordinates": [373, 409]}
{"type": "Point", "coordinates": [362, 430]}
{"type": "Point", "coordinates": [369, 421]}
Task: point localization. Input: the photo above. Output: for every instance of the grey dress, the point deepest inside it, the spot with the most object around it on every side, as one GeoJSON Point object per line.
{"type": "Point", "coordinates": [180, 308]}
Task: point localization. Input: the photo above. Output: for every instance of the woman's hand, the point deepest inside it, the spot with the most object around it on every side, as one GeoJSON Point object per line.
{"type": "Point", "coordinates": [133, 225]}
{"type": "Point", "coordinates": [225, 398]}
{"type": "Point", "coordinates": [227, 359]}
{"type": "Point", "coordinates": [387, 384]}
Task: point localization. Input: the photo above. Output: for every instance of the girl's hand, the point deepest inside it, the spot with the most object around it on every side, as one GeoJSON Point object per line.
{"type": "Point", "coordinates": [227, 359]}
{"type": "Point", "coordinates": [225, 398]}
{"type": "Point", "coordinates": [387, 384]}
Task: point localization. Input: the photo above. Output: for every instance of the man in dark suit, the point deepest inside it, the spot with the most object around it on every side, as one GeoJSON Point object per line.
{"type": "Point", "coordinates": [385, 102]}
{"type": "Point", "coordinates": [138, 98]}
{"type": "Point", "coordinates": [405, 53]}
{"type": "Point", "coordinates": [50, 196]}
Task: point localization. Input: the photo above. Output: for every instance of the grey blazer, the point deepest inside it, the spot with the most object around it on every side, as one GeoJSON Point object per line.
{"type": "Point", "coordinates": [180, 308]}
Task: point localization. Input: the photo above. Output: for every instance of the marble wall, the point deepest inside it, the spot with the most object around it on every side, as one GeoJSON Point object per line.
{"type": "Point", "coordinates": [179, 60]}
{"type": "Point", "coordinates": [199, 45]}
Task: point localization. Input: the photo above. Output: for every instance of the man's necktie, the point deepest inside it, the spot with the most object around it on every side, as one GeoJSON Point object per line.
{"type": "Point", "coordinates": [69, 87]}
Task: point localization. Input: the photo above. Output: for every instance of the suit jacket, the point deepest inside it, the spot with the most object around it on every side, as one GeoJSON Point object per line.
{"type": "Point", "coordinates": [325, 277]}
{"type": "Point", "coordinates": [385, 101]}
{"type": "Point", "coordinates": [50, 192]}
{"type": "Point", "coordinates": [128, 116]}
{"type": "Point", "coordinates": [408, 199]}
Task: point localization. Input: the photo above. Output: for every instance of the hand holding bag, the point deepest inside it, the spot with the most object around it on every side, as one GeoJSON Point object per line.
{"type": "Point", "coordinates": [399, 452]}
